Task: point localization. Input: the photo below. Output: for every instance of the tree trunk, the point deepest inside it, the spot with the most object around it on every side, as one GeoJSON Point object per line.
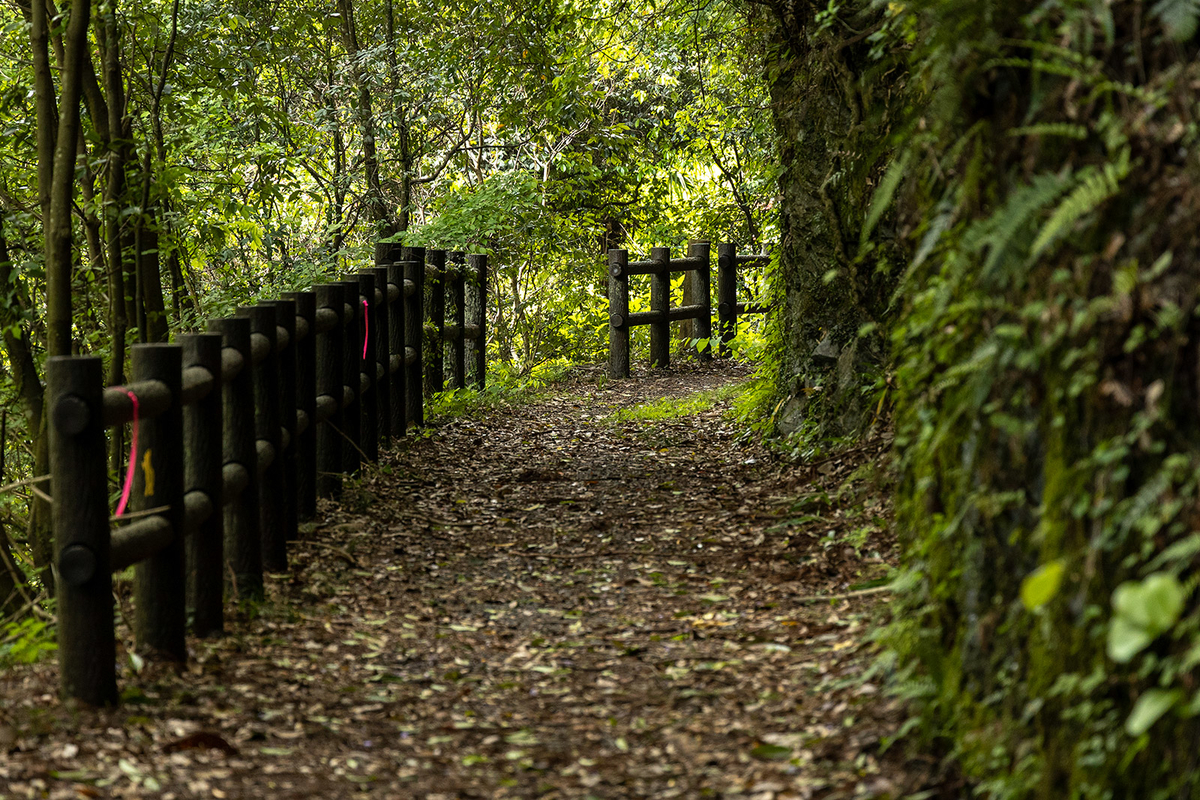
{"type": "Point", "coordinates": [830, 152]}
{"type": "Point", "coordinates": [376, 203]}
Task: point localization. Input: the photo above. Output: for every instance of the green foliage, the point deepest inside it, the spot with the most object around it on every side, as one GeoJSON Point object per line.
{"type": "Point", "coordinates": [26, 640]}
{"type": "Point", "coordinates": [1040, 586]}
{"type": "Point", "coordinates": [1143, 611]}
{"type": "Point", "coordinates": [1179, 17]}
{"type": "Point", "coordinates": [676, 407]}
{"type": "Point", "coordinates": [1047, 440]}
{"type": "Point", "coordinates": [506, 386]}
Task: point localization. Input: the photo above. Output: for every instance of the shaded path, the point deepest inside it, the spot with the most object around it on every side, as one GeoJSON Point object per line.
{"type": "Point", "coordinates": [543, 601]}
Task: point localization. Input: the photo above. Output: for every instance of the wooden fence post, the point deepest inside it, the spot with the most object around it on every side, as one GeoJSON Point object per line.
{"type": "Point", "coordinates": [285, 311]}
{"type": "Point", "coordinates": [660, 303]}
{"type": "Point", "coordinates": [456, 269]}
{"type": "Point", "coordinates": [160, 581]}
{"type": "Point", "coordinates": [397, 366]}
{"type": "Point", "coordinates": [618, 314]}
{"type": "Point", "coordinates": [351, 376]}
{"type": "Point", "coordinates": [414, 332]}
{"type": "Point", "coordinates": [202, 442]}
{"type": "Point", "coordinates": [263, 345]}
{"type": "Point", "coordinates": [243, 547]}
{"type": "Point", "coordinates": [331, 359]}
{"type": "Point", "coordinates": [368, 405]}
{"type": "Point", "coordinates": [476, 311]}
{"type": "Point", "coordinates": [702, 295]}
{"type": "Point", "coordinates": [436, 369]}
{"type": "Point", "coordinates": [726, 295]}
{"type": "Point", "coordinates": [305, 447]}
{"type": "Point", "coordinates": [380, 345]}
{"type": "Point", "coordinates": [86, 637]}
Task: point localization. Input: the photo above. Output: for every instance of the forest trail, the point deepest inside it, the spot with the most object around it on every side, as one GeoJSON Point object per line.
{"type": "Point", "coordinates": [549, 600]}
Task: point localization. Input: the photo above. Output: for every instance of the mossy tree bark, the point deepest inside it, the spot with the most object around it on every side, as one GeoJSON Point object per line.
{"type": "Point", "coordinates": [833, 105]}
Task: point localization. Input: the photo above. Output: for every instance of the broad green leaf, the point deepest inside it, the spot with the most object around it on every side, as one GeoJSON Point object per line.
{"type": "Point", "coordinates": [1149, 708]}
{"type": "Point", "coordinates": [1154, 604]}
{"type": "Point", "coordinates": [1126, 640]}
{"type": "Point", "coordinates": [1040, 586]}
{"type": "Point", "coordinates": [1144, 610]}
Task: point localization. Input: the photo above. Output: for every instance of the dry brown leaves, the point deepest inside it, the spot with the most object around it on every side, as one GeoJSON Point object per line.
{"type": "Point", "coordinates": [538, 602]}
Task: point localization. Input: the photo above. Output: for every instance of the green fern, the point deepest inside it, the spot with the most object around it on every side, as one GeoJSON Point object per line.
{"type": "Point", "coordinates": [1179, 17]}
{"type": "Point", "coordinates": [885, 192]}
{"type": "Point", "coordinates": [1048, 48]}
{"type": "Point", "coordinates": [1095, 186]}
{"type": "Point", "coordinates": [1012, 224]}
{"type": "Point", "coordinates": [1064, 129]}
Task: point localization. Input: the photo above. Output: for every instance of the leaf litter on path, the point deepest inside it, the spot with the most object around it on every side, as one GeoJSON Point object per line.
{"type": "Point", "coordinates": [549, 600]}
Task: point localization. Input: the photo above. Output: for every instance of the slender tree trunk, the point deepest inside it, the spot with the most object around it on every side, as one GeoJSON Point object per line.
{"type": "Point", "coordinates": [92, 227]}
{"type": "Point", "coordinates": [108, 35]}
{"type": "Point", "coordinates": [377, 205]}
{"type": "Point", "coordinates": [59, 256]}
{"type": "Point", "coordinates": [44, 94]}
{"type": "Point", "coordinates": [29, 388]}
{"type": "Point", "coordinates": [58, 134]}
{"type": "Point", "coordinates": [152, 319]}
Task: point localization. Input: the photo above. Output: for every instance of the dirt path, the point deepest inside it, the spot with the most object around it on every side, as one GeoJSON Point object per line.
{"type": "Point", "coordinates": [544, 601]}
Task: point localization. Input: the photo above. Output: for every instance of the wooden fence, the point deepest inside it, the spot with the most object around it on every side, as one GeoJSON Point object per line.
{"type": "Point", "coordinates": [728, 307]}
{"type": "Point", "coordinates": [660, 316]}
{"type": "Point", "coordinates": [236, 433]}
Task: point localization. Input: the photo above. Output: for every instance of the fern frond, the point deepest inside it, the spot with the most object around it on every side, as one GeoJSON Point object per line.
{"type": "Point", "coordinates": [1047, 48]}
{"type": "Point", "coordinates": [1095, 187]}
{"type": "Point", "coordinates": [1042, 65]}
{"type": "Point", "coordinates": [1022, 208]}
{"type": "Point", "coordinates": [1179, 17]}
{"type": "Point", "coordinates": [884, 193]}
{"type": "Point", "coordinates": [1064, 129]}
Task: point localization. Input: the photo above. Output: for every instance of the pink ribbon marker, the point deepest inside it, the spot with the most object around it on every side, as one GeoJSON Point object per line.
{"type": "Point", "coordinates": [133, 448]}
{"type": "Point", "coordinates": [366, 328]}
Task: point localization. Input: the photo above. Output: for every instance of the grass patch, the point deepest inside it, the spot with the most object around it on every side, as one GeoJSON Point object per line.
{"type": "Point", "coordinates": [677, 407]}
{"type": "Point", "coordinates": [505, 387]}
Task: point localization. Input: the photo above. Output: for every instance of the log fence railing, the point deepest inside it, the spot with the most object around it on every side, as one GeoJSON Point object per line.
{"type": "Point", "coordinates": [238, 431]}
{"type": "Point", "coordinates": [659, 267]}
{"type": "Point", "coordinates": [728, 307]}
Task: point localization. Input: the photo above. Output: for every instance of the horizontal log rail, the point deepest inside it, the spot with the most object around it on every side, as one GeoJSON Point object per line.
{"type": "Point", "coordinates": [235, 434]}
{"type": "Point", "coordinates": [660, 267]}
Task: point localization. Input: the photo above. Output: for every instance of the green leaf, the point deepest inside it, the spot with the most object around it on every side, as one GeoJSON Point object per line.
{"type": "Point", "coordinates": [1126, 640]}
{"type": "Point", "coordinates": [1144, 611]}
{"type": "Point", "coordinates": [771, 752]}
{"type": "Point", "coordinates": [1040, 586]}
{"type": "Point", "coordinates": [884, 193]}
{"type": "Point", "coordinates": [1149, 708]}
{"type": "Point", "coordinates": [1154, 603]}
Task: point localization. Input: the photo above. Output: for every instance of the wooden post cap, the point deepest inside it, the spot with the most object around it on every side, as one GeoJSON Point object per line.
{"type": "Point", "coordinates": [76, 564]}
{"type": "Point", "coordinates": [71, 415]}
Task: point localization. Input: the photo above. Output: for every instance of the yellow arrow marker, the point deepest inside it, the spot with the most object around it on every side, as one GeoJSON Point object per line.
{"type": "Point", "coordinates": [148, 472]}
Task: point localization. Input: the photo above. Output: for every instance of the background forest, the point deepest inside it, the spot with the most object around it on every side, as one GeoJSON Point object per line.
{"type": "Point", "coordinates": [207, 155]}
{"type": "Point", "coordinates": [983, 214]}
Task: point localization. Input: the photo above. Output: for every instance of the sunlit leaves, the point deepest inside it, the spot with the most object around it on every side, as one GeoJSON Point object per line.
{"type": "Point", "coordinates": [1040, 586]}
{"type": "Point", "coordinates": [1143, 611]}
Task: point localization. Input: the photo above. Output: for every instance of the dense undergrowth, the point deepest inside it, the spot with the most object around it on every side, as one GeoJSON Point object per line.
{"type": "Point", "coordinates": [1047, 363]}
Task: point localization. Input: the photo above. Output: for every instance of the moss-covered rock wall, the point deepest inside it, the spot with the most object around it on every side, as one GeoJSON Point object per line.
{"type": "Point", "coordinates": [835, 97]}
{"type": "Point", "coordinates": [1048, 419]}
